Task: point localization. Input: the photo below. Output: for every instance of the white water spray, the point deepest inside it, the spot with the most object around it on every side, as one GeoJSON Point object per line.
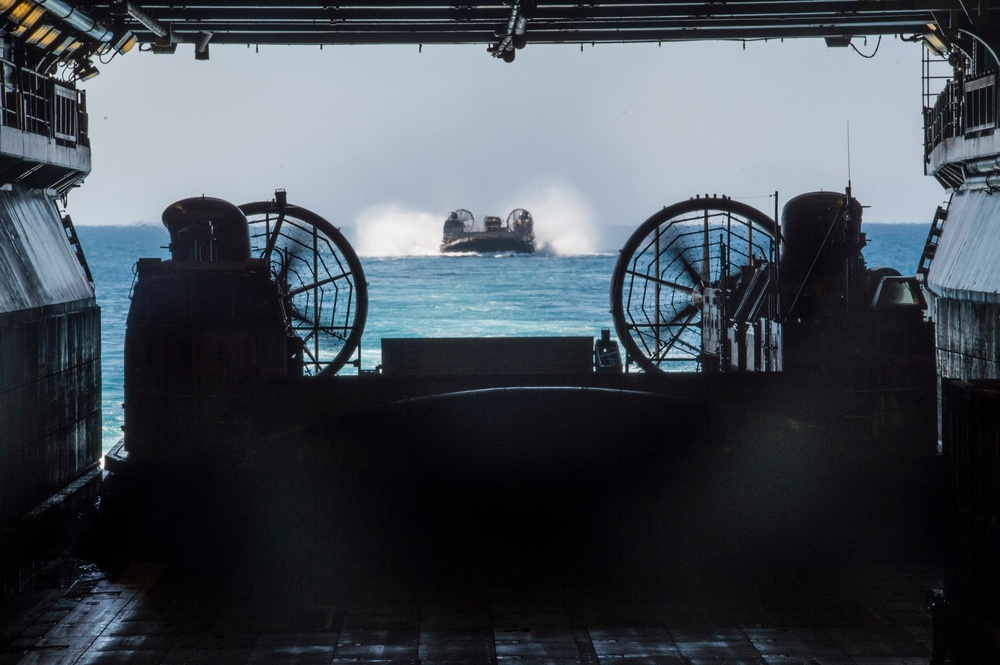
{"type": "Point", "coordinates": [392, 230]}
{"type": "Point", "coordinates": [564, 223]}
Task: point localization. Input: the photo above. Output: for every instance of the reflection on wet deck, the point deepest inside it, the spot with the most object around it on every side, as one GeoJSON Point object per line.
{"type": "Point", "coordinates": [151, 613]}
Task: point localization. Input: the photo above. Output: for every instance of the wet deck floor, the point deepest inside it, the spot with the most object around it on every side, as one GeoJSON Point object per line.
{"type": "Point", "coordinates": [634, 529]}
{"type": "Point", "coordinates": [157, 613]}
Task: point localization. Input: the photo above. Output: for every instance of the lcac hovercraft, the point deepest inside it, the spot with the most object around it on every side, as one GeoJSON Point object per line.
{"type": "Point", "coordinates": [251, 293]}
{"type": "Point", "coordinates": [716, 286]}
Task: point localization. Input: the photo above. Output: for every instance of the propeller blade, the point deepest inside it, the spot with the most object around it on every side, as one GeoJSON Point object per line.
{"type": "Point", "coordinates": [676, 340]}
{"type": "Point", "coordinates": [662, 282]}
{"type": "Point", "coordinates": [683, 315]}
{"type": "Point", "coordinates": [296, 242]}
{"type": "Point", "coordinates": [677, 250]}
{"type": "Point", "coordinates": [314, 285]}
{"type": "Point", "coordinates": [689, 269]}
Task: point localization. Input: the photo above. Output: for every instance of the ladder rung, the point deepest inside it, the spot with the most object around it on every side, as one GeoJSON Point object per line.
{"type": "Point", "coordinates": [933, 234]}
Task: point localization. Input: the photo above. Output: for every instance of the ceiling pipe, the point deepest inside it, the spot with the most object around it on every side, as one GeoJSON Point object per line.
{"type": "Point", "coordinates": [78, 20]}
{"type": "Point", "coordinates": [156, 27]}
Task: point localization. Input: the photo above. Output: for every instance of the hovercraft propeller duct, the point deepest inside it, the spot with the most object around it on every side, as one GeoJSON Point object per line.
{"type": "Point", "coordinates": [689, 274]}
{"type": "Point", "coordinates": [320, 278]}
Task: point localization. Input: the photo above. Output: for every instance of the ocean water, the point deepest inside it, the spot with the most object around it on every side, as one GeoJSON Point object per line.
{"type": "Point", "coordinates": [428, 295]}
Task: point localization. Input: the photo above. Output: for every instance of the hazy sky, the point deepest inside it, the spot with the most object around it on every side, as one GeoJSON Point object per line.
{"type": "Point", "coordinates": [602, 136]}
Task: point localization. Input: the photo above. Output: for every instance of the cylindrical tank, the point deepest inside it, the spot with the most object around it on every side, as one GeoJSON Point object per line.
{"type": "Point", "coordinates": [822, 267]}
{"type": "Point", "coordinates": [807, 219]}
{"type": "Point", "coordinates": [207, 229]}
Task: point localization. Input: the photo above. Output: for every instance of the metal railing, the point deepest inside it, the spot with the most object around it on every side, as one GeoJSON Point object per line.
{"type": "Point", "coordinates": [39, 104]}
{"type": "Point", "coordinates": [966, 107]}
{"type": "Point", "coordinates": [944, 119]}
{"type": "Point", "coordinates": [979, 104]}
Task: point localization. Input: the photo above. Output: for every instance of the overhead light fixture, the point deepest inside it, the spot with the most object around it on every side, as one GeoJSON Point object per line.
{"type": "Point", "coordinates": [63, 45]}
{"type": "Point", "coordinates": [126, 43]}
{"type": "Point", "coordinates": [70, 45]}
{"type": "Point", "coordinates": [934, 41]}
{"type": "Point", "coordinates": [85, 70]}
{"type": "Point", "coordinates": [838, 41]}
{"type": "Point", "coordinates": [42, 36]}
{"type": "Point", "coordinates": [162, 46]}
{"type": "Point", "coordinates": [26, 14]}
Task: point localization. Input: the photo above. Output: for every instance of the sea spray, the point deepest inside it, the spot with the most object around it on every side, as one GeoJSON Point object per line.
{"type": "Point", "coordinates": [564, 223]}
{"type": "Point", "coordinates": [392, 230]}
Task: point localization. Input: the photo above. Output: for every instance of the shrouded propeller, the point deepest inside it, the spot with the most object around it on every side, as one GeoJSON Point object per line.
{"type": "Point", "coordinates": [677, 258]}
{"type": "Point", "coordinates": [467, 219]}
{"type": "Point", "coordinates": [321, 280]}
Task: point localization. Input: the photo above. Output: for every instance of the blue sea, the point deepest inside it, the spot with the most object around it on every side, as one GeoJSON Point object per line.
{"type": "Point", "coordinates": [429, 295]}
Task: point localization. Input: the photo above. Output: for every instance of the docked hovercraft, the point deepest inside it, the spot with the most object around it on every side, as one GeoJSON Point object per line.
{"type": "Point", "coordinates": [517, 234]}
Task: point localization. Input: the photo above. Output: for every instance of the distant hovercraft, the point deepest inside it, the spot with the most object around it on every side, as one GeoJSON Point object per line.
{"type": "Point", "coordinates": [517, 234]}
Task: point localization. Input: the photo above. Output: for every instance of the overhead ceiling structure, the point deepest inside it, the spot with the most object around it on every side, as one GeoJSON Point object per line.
{"type": "Point", "coordinates": [502, 26]}
{"type": "Point", "coordinates": [303, 22]}
{"type": "Point", "coordinates": [403, 22]}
